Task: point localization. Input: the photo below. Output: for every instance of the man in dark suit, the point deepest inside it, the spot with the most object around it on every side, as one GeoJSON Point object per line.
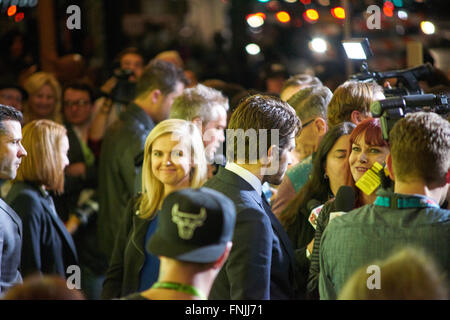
{"type": "Point", "coordinates": [261, 265]}
{"type": "Point", "coordinates": [11, 152]}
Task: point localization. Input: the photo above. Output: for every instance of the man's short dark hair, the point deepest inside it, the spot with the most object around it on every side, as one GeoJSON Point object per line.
{"type": "Point", "coordinates": [420, 147]}
{"type": "Point", "coordinates": [160, 75]}
{"type": "Point", "coordinates": [262, 112]}
{"type": "Point", "coordinates": [9, 113]}
{"type": "Point", "coordinates": [80, 86]}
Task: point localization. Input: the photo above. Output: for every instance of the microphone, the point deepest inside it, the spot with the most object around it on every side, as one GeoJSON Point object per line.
{"type": "Point", "coordinates": [314, 207]}
{"type": "Point", "coordinates": [345, 199]}
{"type": "Point", "coordinates": [344, 202]}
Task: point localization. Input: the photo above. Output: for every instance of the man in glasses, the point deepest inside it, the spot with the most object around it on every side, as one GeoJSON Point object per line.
{"type": "Point", "coordinates": [310, 104]}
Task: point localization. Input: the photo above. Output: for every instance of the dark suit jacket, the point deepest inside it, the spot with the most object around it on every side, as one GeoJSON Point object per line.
{"type": "Point", "coordinates": [47, 245]}
{"type": "Point", "coordinates": [261, 263]}
{"type": "Point", "coordinates": [10, 247]}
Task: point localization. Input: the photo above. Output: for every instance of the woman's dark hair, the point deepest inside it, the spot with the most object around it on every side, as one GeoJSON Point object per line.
{"type": "Point", "coordinates": [317, 187]}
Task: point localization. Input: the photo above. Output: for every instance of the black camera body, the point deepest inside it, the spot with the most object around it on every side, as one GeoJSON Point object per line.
{"type": "Point", "coordinates": [124, 90]}
{"type": "Point", "coordinates": [394, 108]}
{"type": "Point", "coordinates": [407, 79]}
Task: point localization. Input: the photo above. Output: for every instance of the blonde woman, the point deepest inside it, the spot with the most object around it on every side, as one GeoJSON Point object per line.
{"type": "Point", "coordinates": [174, 158]}
{"type": "Point", "coordinates": [44, 100]}
{"type": "Point", "coordinates": [47, 246]}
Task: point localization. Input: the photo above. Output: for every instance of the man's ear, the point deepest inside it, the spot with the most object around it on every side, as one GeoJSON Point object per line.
{"type": "Point", "coordinates": [321, 126]}
{"type": "Point", "coordinates": [357, 117]}
{"type": "Point", "coordinates": [155, 94]}
{"type": "Point", "coordinates": [389, 166]}
{"type": "Point", "coordinates": [272, 153]}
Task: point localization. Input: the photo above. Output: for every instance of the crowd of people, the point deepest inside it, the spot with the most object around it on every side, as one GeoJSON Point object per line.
{"type": "Point", "coordinates": [161, 186]}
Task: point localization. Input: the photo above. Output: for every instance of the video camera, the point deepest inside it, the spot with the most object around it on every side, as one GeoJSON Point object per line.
{"type": "Point", "coordinates": [405, 98]}
{"type": "Point", "coordinates": [124, 90]}
{"type": "Point", "coordinates": [407, 79]}
{"type": "Point", "coordinates": [392, 109]}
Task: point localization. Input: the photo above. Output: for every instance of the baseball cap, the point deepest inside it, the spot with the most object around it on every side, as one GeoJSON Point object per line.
{"type": "Point", "coordinates": [194, 226]}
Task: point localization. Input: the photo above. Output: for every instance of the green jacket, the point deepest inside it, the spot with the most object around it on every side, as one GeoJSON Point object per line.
{"type": "Point", "coordinates": [375, 231]}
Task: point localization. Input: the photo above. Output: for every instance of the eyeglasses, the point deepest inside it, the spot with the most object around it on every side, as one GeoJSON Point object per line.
{"type": "Point", "coordinates": [307, 123]}
{"type": "Point", "coordinates": [77, 103]}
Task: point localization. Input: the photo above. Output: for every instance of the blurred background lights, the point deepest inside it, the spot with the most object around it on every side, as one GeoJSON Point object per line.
{"type": "Point", "coordinates": [12, 10]}
{"type": "Point", "coordinates": [402, 14]}
{"type": "Point", "coordinates": [311, 15]}
{"type": "Point", "coordinates": [290, 1]}
{"type": "Point", "coordinates": [427, 27]}
{"type": "Point", "coordinates": [252, 48]}
{"type": "Point", "coordinates": [255, 20]}
{"type": "Point", "coordinates": [19, 17]}
{"type": "Point", "coordinates": [318, 45]}
{"type": "Point", "coordinates": [283, 16]}
{"type": "Point", "coordinates": [388, 9]}
{"type": "Point", "coordinates": [338, 13]}
{"type": "Point", "coordinates": [324, 2]}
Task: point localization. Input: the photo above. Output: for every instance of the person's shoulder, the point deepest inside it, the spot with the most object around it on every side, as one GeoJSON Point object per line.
{"type": "Point", "coordinates": [22, 190]}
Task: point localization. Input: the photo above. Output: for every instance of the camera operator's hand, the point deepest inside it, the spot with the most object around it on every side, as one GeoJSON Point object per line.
{"type": "Point", "coordinates": [109, 85]}
{"type": "Point", "coordinates": [77, 169]}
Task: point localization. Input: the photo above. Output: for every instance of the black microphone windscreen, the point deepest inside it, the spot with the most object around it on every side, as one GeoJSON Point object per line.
{"type": "Point", "coordinates": [345, 199]}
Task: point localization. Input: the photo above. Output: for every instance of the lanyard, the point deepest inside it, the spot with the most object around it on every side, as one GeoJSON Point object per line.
{"type": "Point", "coordinates": [181, 288]}
{"type": "Point", "coordinates": [405, 203]}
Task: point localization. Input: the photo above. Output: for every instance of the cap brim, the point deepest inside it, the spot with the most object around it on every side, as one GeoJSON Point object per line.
{"type": "Point", "coordinates": [183, 252]}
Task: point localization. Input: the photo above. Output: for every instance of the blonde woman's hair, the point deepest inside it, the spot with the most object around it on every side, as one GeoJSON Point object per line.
{"type": "Point", "coordinates": [152, 188]}
{"type": "Point", "coordinates": [33, 84]}
{"type": "Point", "coordinates": [43, 163]}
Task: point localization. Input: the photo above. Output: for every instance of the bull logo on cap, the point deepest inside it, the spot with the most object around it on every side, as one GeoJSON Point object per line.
{"type": "Point", "coordinates": [187, 222]}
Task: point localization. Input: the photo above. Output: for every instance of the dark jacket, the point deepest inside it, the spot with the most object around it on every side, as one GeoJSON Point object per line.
{"type": "Point", "coordinates": [47, 245]}
{"type": "Point", "coordinates": [314, 269]}
{"type": "Point", "coordinates": [123, 275]}
{"type": "Point", "coordinates": [261, 264]}
{"type": "Point", "coordinates": [301, 232]}
{"type": "Point", "coordinates": [10, 247]}
{"type": "Point", "coordinates": [122, 143]}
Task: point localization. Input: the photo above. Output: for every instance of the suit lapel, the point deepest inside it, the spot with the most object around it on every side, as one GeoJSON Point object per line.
{"type": "Point", "coordinates": [9, 211]}
{"type": "Point", "coordinates": [232, 178]}
{"type": "Point", "coordinates": [281, 233]}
